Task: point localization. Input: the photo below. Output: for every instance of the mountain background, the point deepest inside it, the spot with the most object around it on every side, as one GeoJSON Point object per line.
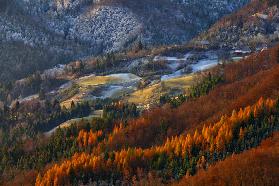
{"type": "Point", "coordinates": [58, 31]}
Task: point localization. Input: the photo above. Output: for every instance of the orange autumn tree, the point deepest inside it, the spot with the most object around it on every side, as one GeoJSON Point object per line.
{"type": "Point", "coordinates": [90, 138]}
{"type": "Point", "coordinates": [214, 142]}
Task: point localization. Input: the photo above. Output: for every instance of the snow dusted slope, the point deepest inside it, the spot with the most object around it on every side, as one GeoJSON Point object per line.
{"type": "Point", "coordinates": [112, 24]}
{"type": "Point", "coordinates": [72, 29]}
{"type": "Point", "coordinates": [107, 28]}
{"type": "Point", "coordinates": [120, 26]}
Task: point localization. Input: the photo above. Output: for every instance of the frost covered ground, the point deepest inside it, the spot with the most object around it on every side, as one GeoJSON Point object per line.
{"type": "Point", "coordinates": [109, 86]}
{"type": "Point", "coordinates": [121, 85]}
{"type": "Point", "coordinates": [208, 60]}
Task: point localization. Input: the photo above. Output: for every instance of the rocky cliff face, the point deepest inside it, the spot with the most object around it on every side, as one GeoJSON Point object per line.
{"type": "Point", "coordinates": [78, 28]}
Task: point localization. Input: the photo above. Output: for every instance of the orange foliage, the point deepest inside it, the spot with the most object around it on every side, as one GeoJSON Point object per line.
{"type": "Point", "coordinates": [245, 82]}
{"type": "Point", "coordinates": [127, 161]}
{"type": "Point", "coordinates": [259, 166]}
{"type": "Point", "coordinates": [85, 139]}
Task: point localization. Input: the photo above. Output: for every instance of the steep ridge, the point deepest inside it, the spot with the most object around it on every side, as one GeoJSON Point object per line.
{"type": "Point", "coordinates": [253, 27]}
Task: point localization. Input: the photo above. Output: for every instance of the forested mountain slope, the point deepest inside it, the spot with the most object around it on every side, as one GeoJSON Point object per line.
{"type": "Point", "coordinates": [253, 27]}
{"type": "Point", "coordinates": [70, 30]}
{"type": "Point", "coordinates": [258, 166]}
{"type": "Point", "coordinates": [237, 114]}
{"type": "Point", "coordinates": [63, 126]}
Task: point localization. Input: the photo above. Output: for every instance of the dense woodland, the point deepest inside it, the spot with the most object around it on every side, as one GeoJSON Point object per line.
{"type": "Point", "coordinates": [231, 109]}
{"type": "Point", "coordinates": [178, 156]}
{"type": "Point", "coordinates": [224, 131]}
{"type": "Point", "coordinates": [24, 146]}
{"type": "Point", "coordinates": [237, 170]}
